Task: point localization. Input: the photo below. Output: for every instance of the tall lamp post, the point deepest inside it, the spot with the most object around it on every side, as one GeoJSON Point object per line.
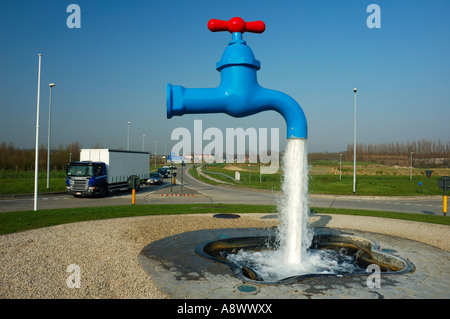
{"type": "Point", "coordinates": [128, 136]}
{"type": "Point", "coordinates": [410, 168]}
{"type": "Point", "coordinates": [49, 134]}
{"type": "Point", "coordinates": [156, 142]}
{"type": "Point", "coordinates": [143, 143]}
{"type": "Point", "coordinates": [36, 163]}
{"type": "Point", "coordinates": [354, 145]}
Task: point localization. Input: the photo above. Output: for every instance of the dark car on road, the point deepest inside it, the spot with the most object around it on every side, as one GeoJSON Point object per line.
{"type": "Point", "coordinates": [164, 172]}
{"type": "Point", "coordinates": [155, 178]}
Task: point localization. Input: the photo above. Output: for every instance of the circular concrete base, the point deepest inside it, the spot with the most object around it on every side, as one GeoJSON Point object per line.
{"type": "Point", "coordinates": [178, 271]}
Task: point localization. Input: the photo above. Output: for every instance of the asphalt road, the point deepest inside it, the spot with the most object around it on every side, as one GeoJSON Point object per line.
{"type": "Point", "coordinates": [194, 191]}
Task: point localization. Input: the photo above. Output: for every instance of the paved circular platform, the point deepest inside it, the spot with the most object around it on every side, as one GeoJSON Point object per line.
{"type": "Point", "coordinates": [178, 271]}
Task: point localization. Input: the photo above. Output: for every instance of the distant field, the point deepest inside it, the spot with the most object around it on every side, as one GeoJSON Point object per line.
{"type": "Point", "coordinates": [371, 179]}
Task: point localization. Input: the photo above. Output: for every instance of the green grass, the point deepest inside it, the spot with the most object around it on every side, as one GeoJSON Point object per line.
{"type": "Point", "coordinates": [249, 178]}
{"type": "Point", "coordinates": [11, 222]}
{"type": "Point", "coordinates": [25, 220]}
{"type": "Point", "coordinates": [366, 185]}
{"type": "Point", "coordinates": [193, 172]}
{"type": "Point", "coordinates": [343, 163]}
{"type": "Point", "coordinates": [22, 182]}
{"type": "Point", "coordinates": [442, 220]}
{"type": "Point", "coordinates": [373, 185]}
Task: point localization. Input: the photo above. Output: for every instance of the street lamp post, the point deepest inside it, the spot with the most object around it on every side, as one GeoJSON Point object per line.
{"type": "Point", "coordinates": [354, 144]}
{"type": "Point", "coordinates": [128, 136]}
{"type": "Point", "coordinates": [143, 143]}
{"type": "Point", "coordinates": [340, 166]}
{"type": "Point", "coordinates": [410, 168]}
{"type": "Point", "coordinates": [49, 134]}
{"type": "Point", "coordinates": [36, 164]}
{"type": "Point", "coordinates": [156, 142]}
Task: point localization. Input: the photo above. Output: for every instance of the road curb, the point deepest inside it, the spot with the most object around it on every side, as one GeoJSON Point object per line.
{"type": "Point", "coordinates": [14, 196]}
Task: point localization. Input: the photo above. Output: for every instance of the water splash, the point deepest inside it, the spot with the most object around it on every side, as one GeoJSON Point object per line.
{"type": "Point", "coordinates": [268, 265]}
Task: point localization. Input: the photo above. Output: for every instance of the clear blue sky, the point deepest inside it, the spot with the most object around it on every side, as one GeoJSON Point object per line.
{"type": "Point", "coordinates": [115, 68]}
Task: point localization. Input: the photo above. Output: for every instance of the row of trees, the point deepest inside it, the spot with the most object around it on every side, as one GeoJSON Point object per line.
{"type": "Point", "coordinates": [425, 153]}
{"type": "Point", "coordinates": [16, 159]}
{"type": "Point", "coordinates": [12, 158]}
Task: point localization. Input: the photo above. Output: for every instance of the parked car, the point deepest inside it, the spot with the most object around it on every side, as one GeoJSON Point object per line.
{"type": "Point", "coordinates": [155, 178]}
{"type": "Point", "coordinates": [164, 172]}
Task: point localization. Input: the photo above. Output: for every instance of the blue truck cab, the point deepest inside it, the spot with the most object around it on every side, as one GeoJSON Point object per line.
{"type": "Point", "coordinates": [87, 178]}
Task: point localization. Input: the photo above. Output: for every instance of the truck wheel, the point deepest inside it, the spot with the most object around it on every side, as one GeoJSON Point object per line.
{"type": "Point", "coordinates": [103, 191]}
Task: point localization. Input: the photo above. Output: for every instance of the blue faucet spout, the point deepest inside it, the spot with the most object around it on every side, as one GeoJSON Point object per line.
{"type": "Point", "coordinates": [181, 100]}
{"type": "Point", "coordinates": [238, 94]}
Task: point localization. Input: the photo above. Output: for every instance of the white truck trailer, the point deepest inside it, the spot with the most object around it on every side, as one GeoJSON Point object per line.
{"type": "Point", "coordinates": [102, 170]}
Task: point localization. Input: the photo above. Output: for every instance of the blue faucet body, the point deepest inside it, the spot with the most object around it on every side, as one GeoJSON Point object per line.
{"type": "Point", "coordinates": [239, 94]}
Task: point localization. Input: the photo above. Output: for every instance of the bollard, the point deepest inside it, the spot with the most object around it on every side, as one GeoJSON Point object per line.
{"type": "Point", "coordinates": [174, 178]}
{"type": "Point", "coordinates": [444, 205]}
{"type": "Point", "coordinates": [133, 183]}
{"type": "Point", "coordinates": [444, 184]}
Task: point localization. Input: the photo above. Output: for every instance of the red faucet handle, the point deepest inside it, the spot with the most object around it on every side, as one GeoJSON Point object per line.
{"type": "Point", "coordinates": [236, 24]}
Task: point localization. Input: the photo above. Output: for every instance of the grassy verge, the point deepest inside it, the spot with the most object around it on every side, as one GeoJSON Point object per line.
{"type": "Point", "coordinates": [20, 221]}
{"type": "Point", "coordinates": [433, 219]}
{"type": "Point", "coordinates": [23, 182]}
{"type": "Point", "coordinates": [374, 185]}
{"type": "Point", "coordinates": [193, 172]}
{"type": "Point", "coordinates": [322, 183]}
{"type": "Point", "coordinates": [25, 220]}
{"type": "Point", "coordinates": [249, 177]}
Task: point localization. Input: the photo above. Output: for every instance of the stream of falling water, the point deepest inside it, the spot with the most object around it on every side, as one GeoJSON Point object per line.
{"type": "Point", "coordinates": [295, 234]}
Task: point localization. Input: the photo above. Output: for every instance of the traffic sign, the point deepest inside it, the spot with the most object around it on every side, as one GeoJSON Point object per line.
{"type": "Point", "coordinates": [134, 182]}
{"type": "Point", "coordinates": [428, 172]}
{"type": "Point", "coordinates": [444, 183]}
{"type": "Point", "coordinates": [173, 157]}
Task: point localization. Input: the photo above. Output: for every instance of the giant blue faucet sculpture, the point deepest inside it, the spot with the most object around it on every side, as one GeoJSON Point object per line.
{"type": "Point", "coordinates": [239, 93]}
